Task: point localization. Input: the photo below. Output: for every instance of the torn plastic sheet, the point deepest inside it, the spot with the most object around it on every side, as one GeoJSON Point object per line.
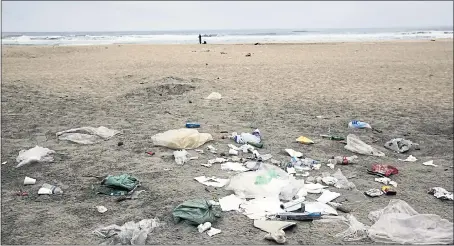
{"type": "Point", "coordinates": [130, 233]}
{"type": "Point", "coordinates": [213, 181]}
{"type": "Point", "coordinates": [314, 207]}
{"type": "Point", "coordinates": [87, 135]}
{"type": "Point", "coordinates": [441, 193]}
{"type": "Point", "coordinates": [261, 208]}
{"type": "Point", "coordinates": [232, 202]}
{"type": "Point", "coordinates": [35, 154]}
{"type": "Point", "coordinates": [356, 230]}
{"type": "Point", "coordinates": [400, 223]}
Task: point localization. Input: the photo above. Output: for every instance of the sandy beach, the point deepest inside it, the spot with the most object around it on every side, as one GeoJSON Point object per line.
{"type": "Point", "coordinates": [404, 89]}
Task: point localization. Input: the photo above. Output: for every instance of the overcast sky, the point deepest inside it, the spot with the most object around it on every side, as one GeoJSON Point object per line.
{"type": "Point", "coordinates": [151, 16]}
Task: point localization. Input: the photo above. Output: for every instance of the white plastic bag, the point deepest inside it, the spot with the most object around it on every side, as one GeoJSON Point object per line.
{"type": "Point", "coordinates": [35, 154]}
{"type": "Point", "coordinates": [400, 223]}
{"type": "Point", "coordinates": [245, 185]}
{"type": "Point", "coordinates": [183, 138]}
{"type": "Point", "coordinates": [181, 156]}
{"type": "Point", "coordinates": [354, 144]}
{"type": "Point", "coordinates": [87, 135]}
{"type": "Point", "coordinates": [130, 233]}
{"type": "Point", "coordinates": [356, 230]}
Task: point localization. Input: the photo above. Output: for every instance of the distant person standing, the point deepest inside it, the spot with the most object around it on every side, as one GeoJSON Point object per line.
{"type": "Point", "coordinates": [200, 39]}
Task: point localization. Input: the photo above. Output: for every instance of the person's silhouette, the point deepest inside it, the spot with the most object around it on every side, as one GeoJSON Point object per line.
{"type": "Point", "coordinates": [200, 39]}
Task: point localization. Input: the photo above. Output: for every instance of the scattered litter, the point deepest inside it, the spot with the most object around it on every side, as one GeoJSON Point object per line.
{"type": "Point", "coordinates": [213, 181]}
{"type": "Point", "coordinates": [304, 140]}
{"type": "Point", "coordinates": [314, 188]}
{"type": "Point", "coordinates": [354, 144]}
{"type": "Point", "coordinates": [342, 160]}
{"type": "Point", "coordinates": [212, 149]}
{"type": "Point", "coordinates": [272, 227]}
{"type": "Point", "coordinates": [192, 125]}
{"type": "Point", "coordinates": [291, 170]}
{"type": "Point", "coordinates": [430, 163]}
{"type": "Point", "coordinates": [246, 148]}
{"type": "Point", "coordinates": [183, 138]}
{"type": "Point", "coordinates": [342, 181]}
{"type": "Point", "coordinates": [214, 203]}
{"type": "Point", "coordinates": [400, 145]}
{"type": "Point", "coordinates": [383, 180]}
{"type": "Point", "coordinates": [193, 158]}
{"type": "Point", "coordinates": [393, 183]}
{"type": "Point", "coordinates": [36, 154]}
{"type": "Point", "coordinates": [319, 207]}
{"type": "Point", "coordinates": [3, 163]}
{"type": "Point", "coordinates": [293, 205]}
{"type": "Point", "coordinates": [328, 196]}
{"type": "Point", "coordinates": [29, 181]}
{"type": "Point", "coordinates": [207, 165]}
{"type": "Point", "coordinates": [203, 227]}
{"type": "Point", "coordinates": [21, 193]}
{"type": "Point", "coordinates": [87, 135]}
{"type": "Point", "coordinates": [266, 157]}
{"type": "Point", "coordinates": [150, 153]}
{"type": "Point", "coordinates": [234, 166]}
{"type": "Point", "coordinates": [252, 165]}
{"type": "Point", "coordinates": [47, 189]}
{"type": "Point", "coordinates": [231, 146]}
{"type": "Point", "coordinates": [373, 192]}
{"type": "Point", "coordinates": [119, 185]}
{"type": "Point", "coordinates": [293, 153]}
{"type": "Point", "coordinates": [130, 233]}
{"type": "Point", "coordinates": [331, 137]}
{"type": "Point", "coordinates": [356, 230]}
{"type": "Point", "coordinates": [260, 208]}
{"type": "Point", "coordinates": [301, 216]}
{"type": "Point", "coordinates": [229, 203]}
{"type": "Point", "coordinates": [213, 231]}
{"type": "Point", "coordinates": [101, 209]}
{"type": "Point", "coordinates": [305, 174]}
{"type": "Point", "coordinates": [233, 152]}
{"type": "Point", "coordinates": [328, 180]}
{"type": "Point", "coordinates": [214, 96]}
{"type": "Point", "coordinates": [253, 138]}
{"type": "Point", "coordinates": [383, 170]}
{"type": "Point", "coordinates": [217, 160]}
{"type": "Point", "coordinates": [441, 193]}
{"type": "Point", "coordinates": [339, 207]}
{"type": "Point", "coordinates": [388, 190]}
{"type": "Point", "coordinates": [400, 223]}
{"type": "Point", "coordinates": [409, 159]}
{"type": "Point", "coordinates": [199, 151]}
{"type": "Point", "coordinates": [196, 211]}
{"type": "Point", "coordinates": [358, 124]}
{"type": "Point", "coordinates": [181, 156]}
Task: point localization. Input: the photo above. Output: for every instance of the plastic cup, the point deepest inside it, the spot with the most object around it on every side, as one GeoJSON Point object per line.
{"type": "Point", "coordinates": [29, 181]}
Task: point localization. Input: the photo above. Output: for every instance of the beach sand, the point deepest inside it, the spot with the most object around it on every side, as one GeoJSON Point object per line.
{"type": "Point", "coordinates": [405, 89]}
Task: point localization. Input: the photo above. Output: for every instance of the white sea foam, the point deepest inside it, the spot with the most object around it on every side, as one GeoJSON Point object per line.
{"type": "Point", "coordinates": [224, 38]}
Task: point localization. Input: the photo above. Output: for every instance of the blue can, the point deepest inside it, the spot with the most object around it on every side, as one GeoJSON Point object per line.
{"type": "Point", "coordinates": [192, 125]}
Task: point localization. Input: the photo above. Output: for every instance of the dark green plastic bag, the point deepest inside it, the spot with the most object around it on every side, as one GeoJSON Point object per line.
{"type": "Point", "coordinates": [119, 185]}
{"type": "Point", "coordinates": [197, 211]}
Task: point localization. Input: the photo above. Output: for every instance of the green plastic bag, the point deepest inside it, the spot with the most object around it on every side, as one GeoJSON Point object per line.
{"type": "Point", "coordinates": [197, 211]}
{"type": "Point", "coordinates": [119, 185]}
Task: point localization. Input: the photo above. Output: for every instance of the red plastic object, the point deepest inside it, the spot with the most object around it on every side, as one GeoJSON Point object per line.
{"type": "Point", "coordinates": [386, 170]}
{"type": "Point", "coordinates": [150, 153]}
{"type": "Point", "coordinates": [22, 193]}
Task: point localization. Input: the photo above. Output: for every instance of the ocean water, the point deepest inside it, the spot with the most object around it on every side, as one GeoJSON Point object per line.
{"type": "Point", "coordinates": [226, 36]}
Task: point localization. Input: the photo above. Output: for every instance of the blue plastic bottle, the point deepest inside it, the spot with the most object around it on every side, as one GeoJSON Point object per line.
{"type": "Point", "coordinates": [192, 125]}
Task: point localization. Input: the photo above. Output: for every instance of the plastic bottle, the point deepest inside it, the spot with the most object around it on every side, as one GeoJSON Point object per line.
{"type": "Point", "coordinates": [343, 160]}
{"type": "Point", "coordinates": [358, 124]}
{"type": "Point", "coordinates": [192, 125]}
{"type": "Point", "coordinates": [250, 138]}
{"type": "Point", "coordinates": [308, 162]}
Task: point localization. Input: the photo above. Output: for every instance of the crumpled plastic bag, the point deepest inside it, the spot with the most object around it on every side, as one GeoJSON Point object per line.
{"type": "Point", "coordinates": [356, 230]}
{"type": "Point", "coordinates": [181, 156]}
{"type": "Point", "coordinates": [183, 138]}
{"type": "Point", "coordinates": [196, 211]}
{"type": "Point", "coordinates": [342, 181]}
{"type": "Point", "coordinates": [267, 181]}
{"type": "Point", "coordinates": [35, 154]}
{"type": "Point", "coordinates": [118, 185]}
{"type": "Point", "coordinates": [400, 145]}
{"type": "Point", "coordinates": [356, 145]}
{"type": "Point", "coordinates": [87, 135]}
{"type": "Point", "coordinates": [130, 233]}
{"type": "Point", "coordinates": [400, 223]}
{"type": "Point", "coordinates": [441, 193]}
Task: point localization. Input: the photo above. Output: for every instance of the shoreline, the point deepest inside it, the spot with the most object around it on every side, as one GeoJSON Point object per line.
{"type": "Point", "coordinates": [235, 44]}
